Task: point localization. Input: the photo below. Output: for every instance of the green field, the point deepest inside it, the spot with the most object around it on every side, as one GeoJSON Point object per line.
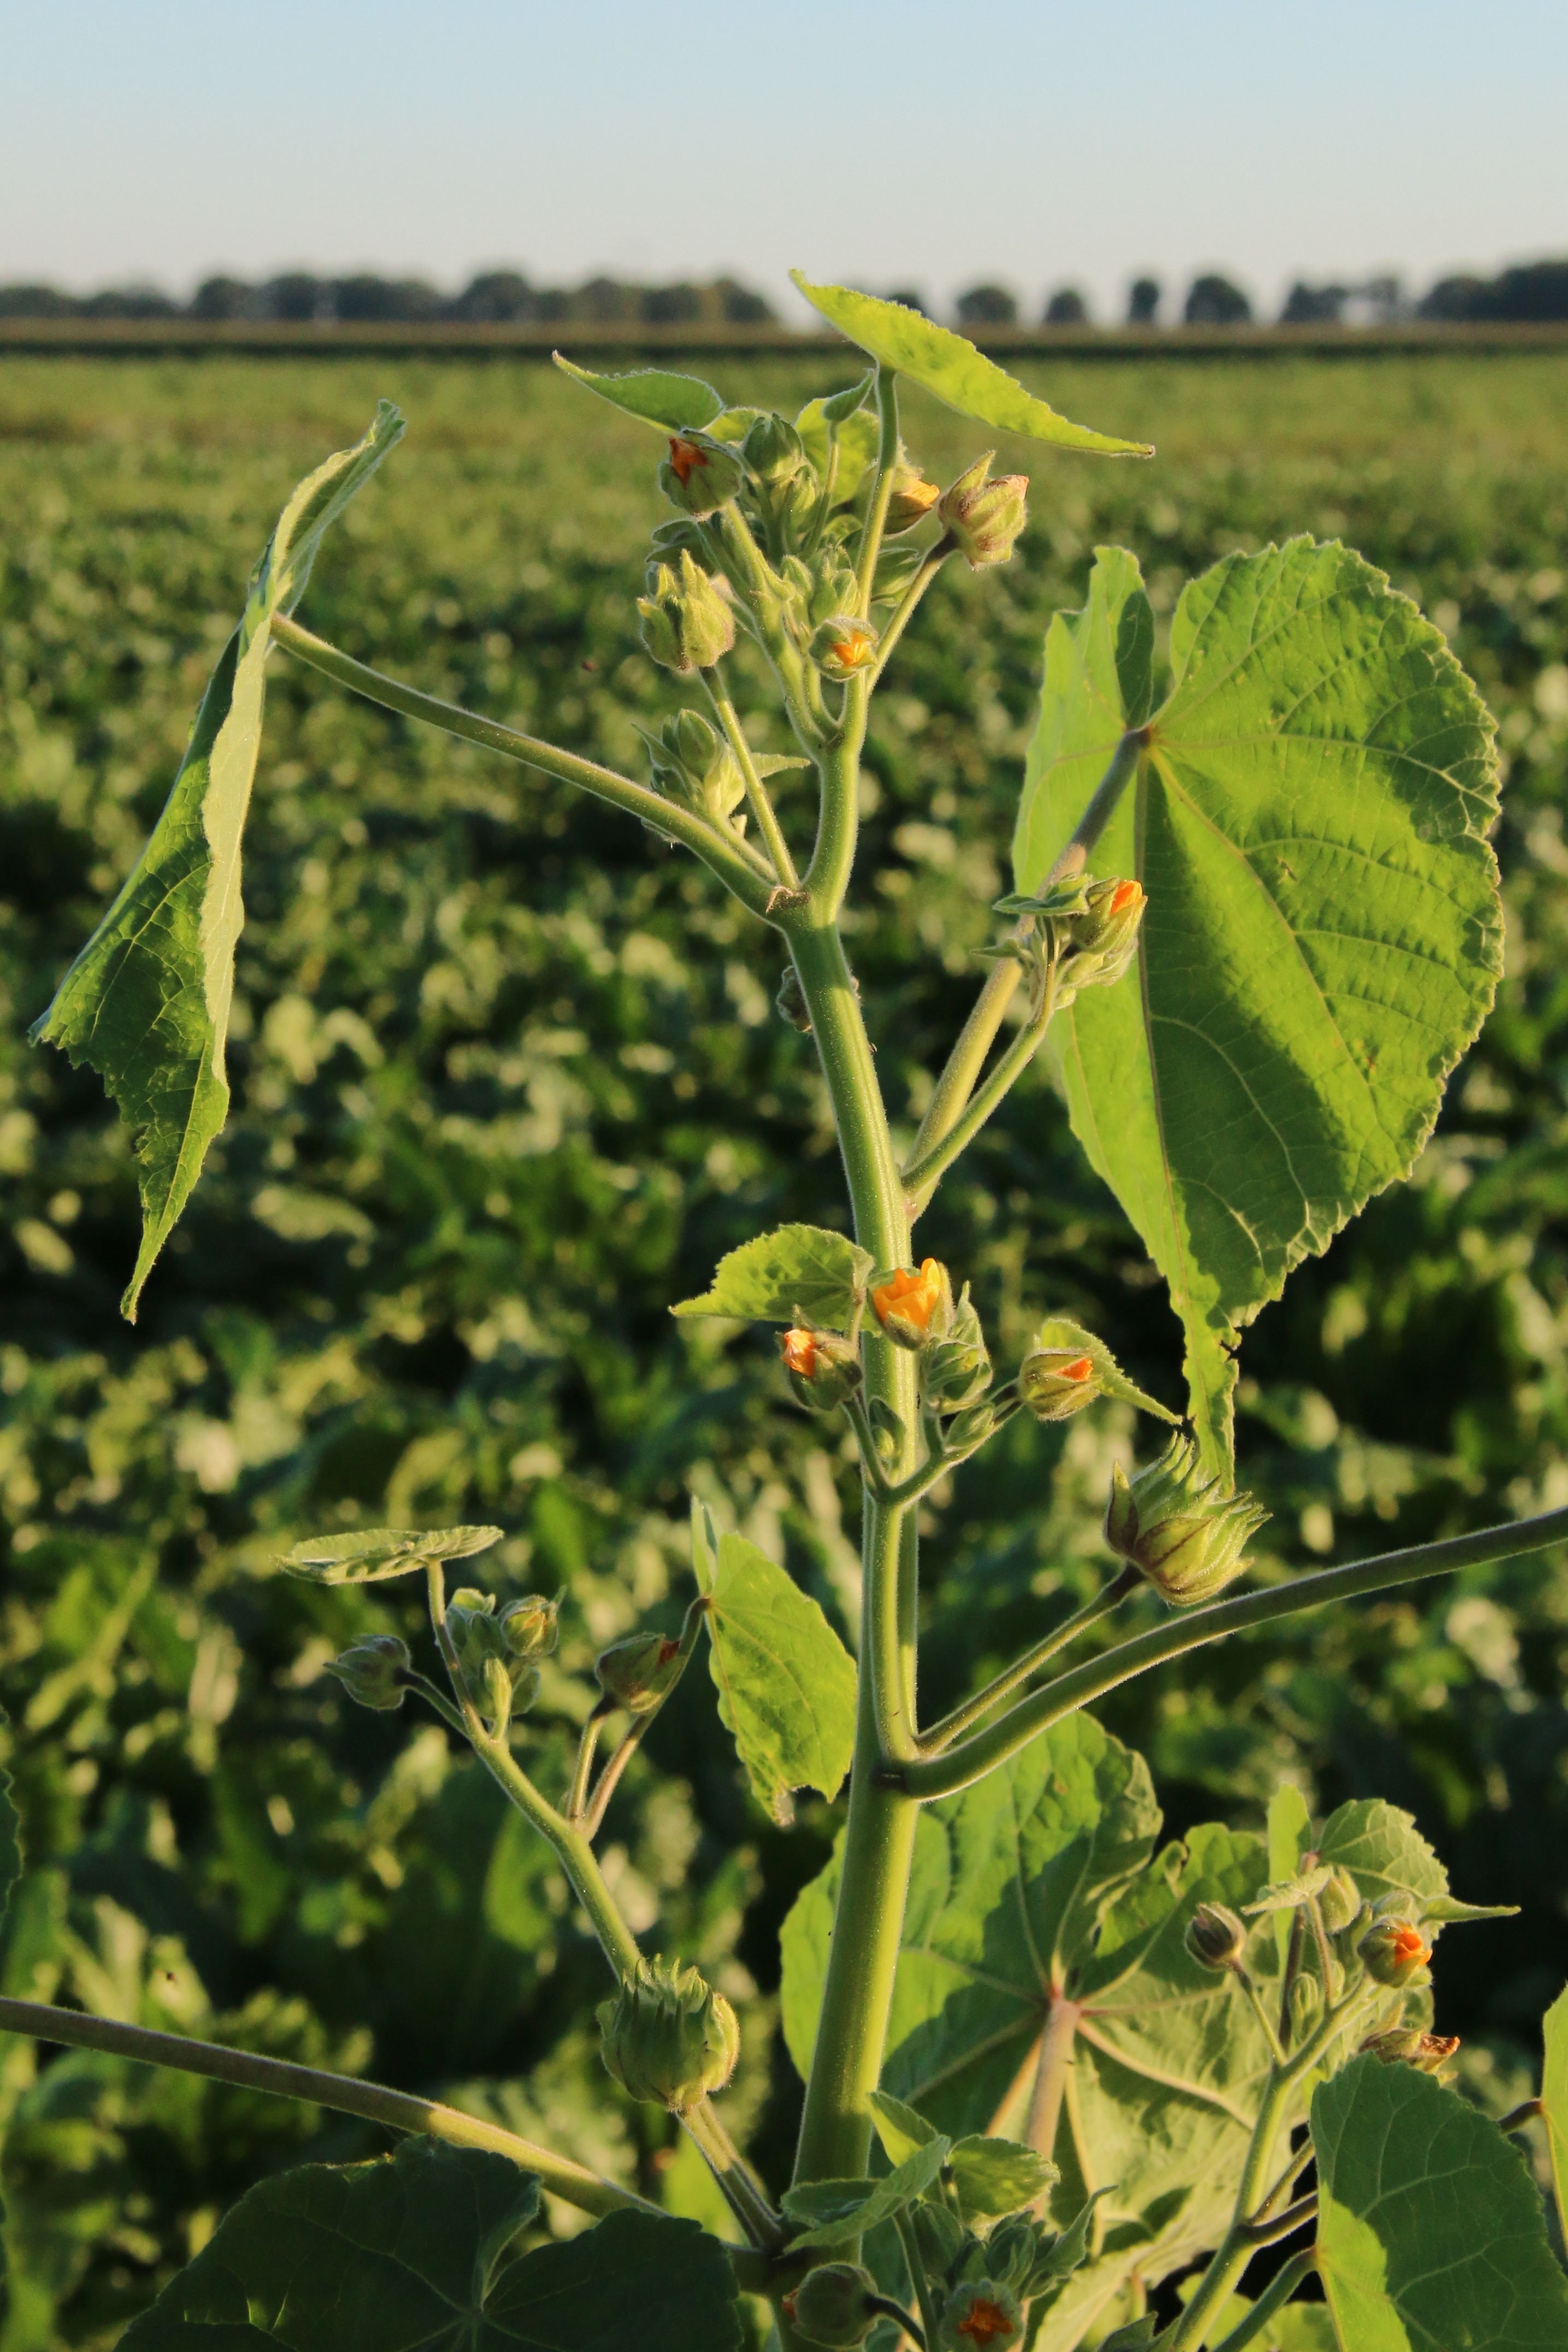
{"type": "Point", "coordinates": [506, 1080]}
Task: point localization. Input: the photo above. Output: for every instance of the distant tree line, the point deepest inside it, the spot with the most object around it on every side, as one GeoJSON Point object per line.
{"type": "Point", "coordinates": [1531, 291]}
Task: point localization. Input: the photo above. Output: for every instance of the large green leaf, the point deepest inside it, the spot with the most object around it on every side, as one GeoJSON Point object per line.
{"type": "Point", "coordinates": [796, 1270]}
{"type": "Point", "coordinates": [652, 395]}
{"type": "Point", "coordinates": [1322, 937]}
{"type": "Point", "coordinates": [959, 375]}
{"type": "Point", "coordinates": [1041, 1884]}
{"type": "Point", "coordinates": [400, 2256]}
{"type": "Point", "coordinates": [1431, 2234]}
{"type": "Point", "coordinates": [1383, 1850]}
{"type": "Point", "coordinates": [1554, 2099]}
{"type": "Point", "coordinates": [371, 1555]}
{"type": "Point", "coordinates": [786, 1682]}
{"type": "Point", "coordinates": [146, 1003]}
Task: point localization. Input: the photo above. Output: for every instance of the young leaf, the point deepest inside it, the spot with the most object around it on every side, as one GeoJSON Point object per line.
{"type": "Point", "coordinates": [1322, 937]}
{"type": "Point", "coordinates": [371, 1555]}
{"type": "Point", "coordinates": [860, 432]}
{"type": "Point", "coordinates": [841, 2209]}
{"type": "Point", "coordinates": [409, 2253]}
{"type": "Point", "coordinates": [1554, 2099]}
{"type": "Point", "coordinates": [798, 1270]}
{"type": "Point", "coordinates": [667, 402]}
{"type": "Point", "coordinates": [786, 1683]}
{"type": "Point", "coordinates": [146, 1003]}
{"type": "Point", "coordinates": [899, 2128]}
{"type": "Point", "coordinates": [994, 2177]}
{"type": "Point", "coordinates": [1062, 1331]}
{"type": "Point", "coordinates": [1429, 2227]}
{"type": "Point", "coordinates": [1383, 1850]}
{"type": "Point", "coordinates": [960, 376]}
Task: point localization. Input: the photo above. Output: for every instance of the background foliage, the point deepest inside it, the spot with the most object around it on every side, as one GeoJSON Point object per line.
{"type": "Point", "coordinates": [508, 1080]}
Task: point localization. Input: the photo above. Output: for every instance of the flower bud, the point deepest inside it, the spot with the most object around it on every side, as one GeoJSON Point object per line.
{"type": "Point", "coordinates": [1177, 1529]}
{"type": "Point", "coordinates": [1102, 942]}
{"type": "Point", "coordinates": [1404, 2045]}
{"type": "Point", "coordinates": [529, 1626]}
{"type": "Point", "coordinates": [912, 1308]}
{"type": "Point", "coordinates": [637, 1673]}
{"type": "Point", "coordinates": [667, 2036]}
{"type": "Point", "coordinates": [832, 591]}
{"type": "Point", "coordinates": [954, 1368]}
{"type": "Point", "coordinates": [912, 499]}
{"type": "Point", "coordinates": [1306, 1999]}
{"type": "Point", "coordinates": [476, 1633]}
{"type": "Point", "coordinates": [831, 2306]}
{"type": "Point", "coordinates": [692, 765]}
{"type": "Point", "coordinates": [982, 2316]}
{"type": "Point", "coordinates": [1395, 1954]}
{"type": "Point", "coordinates": [699, 476]}
{"type": "Point", "coordinates": [1214, 1937]}
{"type": "Point", "coordinates": [495, 1691]}
{"type": "Point", "coordinates": [687, 624]}
{"type": "Point", "coordinates": [1340, 1901]}
{"type": "Point", "coordinates": [984, 518]}
{"type": "Point", "coordinates": [773, 451]}
{"type": "Point", "coordinates": [842, 647]}
{"type": "Point", "coordinates": [970, 1427]}
{"type": "Point", "coordinates": [823, 1369]}
{"type": "Point", "coordinates": [1057, 1382]}
{"type": "Point", "coordinates": [372, 1671]}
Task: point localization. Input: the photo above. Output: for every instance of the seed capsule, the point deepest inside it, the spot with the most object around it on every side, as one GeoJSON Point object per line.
{"type": "Point", "coordinates": [668, 2037]}
{"type": "Point", "coordinates": [1175, 1526]}
{"type": "Point", "coordinates": [1214, 1936]}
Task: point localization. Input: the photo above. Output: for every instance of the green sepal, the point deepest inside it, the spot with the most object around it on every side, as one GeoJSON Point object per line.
{"type": "Point", "coordinates": [1062, 1331]}
{"type": "Point", "coordinates": [652, 395]}
{"type": "Point", "coordinates": [798, 1270]}
{"type": "Point", "coordinates": [371, 1554]}
{"type": "Point", "coordinates": [960, 376]}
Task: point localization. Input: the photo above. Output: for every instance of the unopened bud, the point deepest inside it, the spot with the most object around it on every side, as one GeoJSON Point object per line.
{"type": "Point", "coordinates": [984, 518]}
{"type": "Point", "coordinates": [842, 647]}
{"type": "Point", "coordinates": [1306, 1999]}
{"type": "Point", "coordinates": [699, 476]}
{"type": "Point", "coordinates": [912, 499]}
{"type": "Point", "coordinates": [1173, 1525]}
{"type": "Point", "coordinates": [668, 2037]}
{"type": "Point", "coordinates": [832, 591]}
{"type": "Point", "coordinates": [773, 450]}
{"type": "Point", "coordinates": [691, 764]}
{"type": "Point", "coordinates": [913, 1307]}
{"type": "Point", "coordinates": [831, 2305]}
{"type": "Point", "coordinates": [1340, 1901]}
{"type": "Point", "coordinates": [687, 624]}
{"type": "Point", "coordinates": [982, 2316]}
{"type": "Point", "coordinates": [823, 1369]}
{"type": "Point", "coordinates": [1395, 1954]}
{"type": "Point", "coordinates": [1103, 942]}
{"type": "Point", "coordinates": [1057, 1382]}
{"type": "Point", "coordinates": [476, 1632]}
{"type": "Point", "coordinates": [637, 1673]}
{"type": "Point", "coordinates": [970, 1428]}
{"type": "Point", "coordinates": [495, 1679]}
{"type": "Point", "coordinates": [1214, 1936]}
{"type": "Point", "coordinates": [1408, 2046]}
{"type": "Point", "coordinates": [954, 1368]}
{"type": "Point", "coordinates": [372, 1671]}
{"type": "Point", "coordinates": [529, 1626]}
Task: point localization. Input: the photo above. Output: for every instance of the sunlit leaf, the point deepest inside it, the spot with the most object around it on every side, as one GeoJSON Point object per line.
{"type": "Point", "coordinates": [1554, 2099]}
{"type": "Point", "coordinates": [786, 1683]}
{"type": "Point", "coordinates": [371, 1555]}
{"type": "Point", "coordinates": [997, 2175]}
{"type": "Point", "coordinates": [837, 2210]}
{"type": "Point", "coordinates": [652, 395]}
{"type": "Point", "coordinates": [796, 1270]}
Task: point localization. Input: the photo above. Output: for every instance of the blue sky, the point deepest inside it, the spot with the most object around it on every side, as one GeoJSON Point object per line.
{"type": "Point", "coordinates": [908, 144]}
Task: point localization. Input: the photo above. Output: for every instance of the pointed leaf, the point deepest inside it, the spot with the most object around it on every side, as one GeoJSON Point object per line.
{"type": "Point", "coordinates": [786, 1682]}
{"type": "Point", "coordinates": [1289, 1893]}
{"type": "Point", "coordinates": [863, 2204]}
{"type": "Point", "coordinates": [959, 375]}
{"type": "Point", "coordinates": [1383, 1850]}
{"type": "Point", "coordinates": [407, 2255]}
{"type": "Point", "coordinates": [1449, 1912]}
{"type": "Point", "coordinates": [1062, 1331]}
{"type": "Point", "coordinates": [653, 396]}
{"type": "Point", "coordinates": [1431, 2235]}
{"type": "Point", "coordinates": [799, 1269]}
{"type": "Point", "coordinates": [1554, 2100]}
{"type": "Point", "coordinates": [1322, 937]}
{"type": "Point", "coordinates": [899, 2128]}
{"type": "Point", "coordinates": [146, 1004]}
{"type": "Point", "coordinates": [371, 1555]}
{"type": "Point", "coordinates": [993, 2176]}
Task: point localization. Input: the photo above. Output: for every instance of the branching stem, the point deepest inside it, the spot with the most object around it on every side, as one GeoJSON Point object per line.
{"type": "Point", "coordinates": [757, 795]}
{"type": "Point", "coordinates": [952, 1726]}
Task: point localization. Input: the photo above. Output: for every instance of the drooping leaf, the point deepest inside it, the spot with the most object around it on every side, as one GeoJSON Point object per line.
{"type": "Point", "coordinates": [1431, 2235]}
{"type": "Point", "coordinates": [1062, 1331]}
{"type": "Point", "coordinates": [369, 1554]}
{"type": "Point", "coordinates": [652, 395]}
{"type": "Point", "coordinates": [836, 2210]}
{"type": "Point", "coordinates": [1383, 1850]}
{"type": "Point", "coordinates": [960, 376]}
{"type": "Point", "coordinates": [796, 1270]}
{"type": "Point", "coordinates": [1447, 1911]}
{"type": "Point", "coordinates": [1322, 937]}
{"type": "Point", "coordinates": [146, 1004]}
{"type": "Point", "coordinates": [993, 2176]}
{"type": "Point", "coordinates": [786, 1682]}
{"type": "Point", "coordinates": [408, 2256]}
{"type": "Point", "coordinates": [1554, 2099]}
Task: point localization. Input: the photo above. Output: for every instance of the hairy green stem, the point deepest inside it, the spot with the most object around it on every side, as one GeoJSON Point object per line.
{"type": "Point", "coordinates": [929, 2311]}
{"type": "Point", "coordinates": [1193, 1628]}
{"type": "Point", "coordinates": [577, 1802]}
{"type": "Point", "coordinates": [728, 858]}
{"type": "Point", "coordinates": [1283, 2225]}
{"type": "Point", "coordinates": [921, 1177]}
{"type": "Point", "coordinates": [886, 469]}
{"type": "Point", "coordinates": [1274, 2298]}
{"type": "Point", "coordinates": [908, 602]}
{"type": "Point", "coordinates": [1254, 2002]}
{"type": "Point", "coordinates": [757, 795]}
{"type": "Point", "coordinates": [952, 1726]}
{"type": "Point", "coordinates": [837, 818]}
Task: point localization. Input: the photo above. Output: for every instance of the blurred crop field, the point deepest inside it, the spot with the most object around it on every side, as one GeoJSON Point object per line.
{"type": "Point", "coordinates": [507, 1079]}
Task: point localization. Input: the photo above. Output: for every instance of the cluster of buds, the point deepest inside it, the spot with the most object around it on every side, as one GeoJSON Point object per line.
{"type": "Point", "coordinates": [783, 480]}
{"type": "Point", "coordinates": [1177, 1527]}
{"type": "Point", "coordinates": [1402, 2045]}
{"type": "Point", "coordinates": [823, 1369]}
{"type": "Point", "coordinates": [700, 475]}
{"type": "Point", "coordinates": [692, 764]}
{"type": "Point", "coordinates": [1339, 1901]}
{"type": "Point", "coordinates": [667, 2037]}
{"type": "Point", "coordinates": [1085, 932]}
{"type": "Point", "coordinates": [687, 622]}
{"type": "Point", "coordinates": [954, 1364]}
{"type": "Point", "coordinates": [834, 2305]}
{"type": "Point", "coordinates": [640, 1671]}
{"type": "Point", "coordinates": [499, 1649]}
{"type": "Point", "coordinates": [981, 517]}
{"type": "Point", "coordinates": [374, 1670]}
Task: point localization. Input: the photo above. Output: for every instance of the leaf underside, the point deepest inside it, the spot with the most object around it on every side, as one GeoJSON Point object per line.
{"type": "Point", "coordinates": [407, 2256]}
{"type": "Point", "coordinates": [960, 376]}
{"type": "Point", "coordinates": [1322, 937]}
{"type": "Point", "coordinates": [796, 1270]}
{"type": "Point", "coordinates": [146, 1004]}
{"type": "Point", "coordinates": [371, 1555]}
{"type": "Point", "coordinates": [1431, 2234]}
{"type": "Point", "coordinates": [786, 1683]}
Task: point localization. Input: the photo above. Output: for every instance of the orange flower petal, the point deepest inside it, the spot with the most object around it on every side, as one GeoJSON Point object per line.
{"type": "Point", "coordinates": [685, 458]}
{"type": "Point", "coordinates": [1124, 895]}
{"type": "Point", "coordinates": [800, 1354]}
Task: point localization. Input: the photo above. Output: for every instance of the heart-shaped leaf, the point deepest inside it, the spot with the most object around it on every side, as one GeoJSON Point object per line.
{"type": "Point", "coordinates": [796, 1270]}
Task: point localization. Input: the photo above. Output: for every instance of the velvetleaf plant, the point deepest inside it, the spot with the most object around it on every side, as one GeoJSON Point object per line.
{"type": "Point", "coordinates": [1048, 2065]}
